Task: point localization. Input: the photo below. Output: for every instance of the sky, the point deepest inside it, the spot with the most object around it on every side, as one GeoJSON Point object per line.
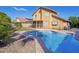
{"type": "Point", "coordinates": [26, 11]}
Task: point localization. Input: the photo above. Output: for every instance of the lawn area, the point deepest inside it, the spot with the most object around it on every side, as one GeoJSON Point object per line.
{"type": "Point", "coordinates": [23, 29]}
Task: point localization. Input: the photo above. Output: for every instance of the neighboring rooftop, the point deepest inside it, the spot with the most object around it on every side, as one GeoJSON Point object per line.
{"type": "Point", "coordinates": [22, 19]}
{"type": "Point", "coordinates": [45, 8]}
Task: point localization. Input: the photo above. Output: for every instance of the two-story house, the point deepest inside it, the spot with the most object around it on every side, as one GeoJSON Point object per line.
{"type": "Point", "coordinates": [49, 19]}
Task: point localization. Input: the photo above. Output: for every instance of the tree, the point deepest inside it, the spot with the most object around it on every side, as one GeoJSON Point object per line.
{"type": "Point", "coordinates": [74, 22]}
{"type": "Point", "coordinates": [5, 27]}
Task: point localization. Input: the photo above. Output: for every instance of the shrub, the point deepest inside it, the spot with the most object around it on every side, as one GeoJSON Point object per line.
{"type": "Point", "coordinates": [18, 24]}
{"type": "Point", "coordinates": [74, 22]}
{"type": "Point", "coordinates": [5, 27]}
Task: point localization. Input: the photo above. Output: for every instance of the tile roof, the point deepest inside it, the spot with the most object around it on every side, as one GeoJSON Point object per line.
{"type": "Point", "coordinates": [24, 19]}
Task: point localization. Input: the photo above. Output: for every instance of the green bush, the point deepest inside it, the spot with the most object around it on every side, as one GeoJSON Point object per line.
{"type": "Point", "coordinates": [6, 28]}
{"type": "Point", "coordinates": [18, 24]}
{"type": "Point", "coordinates": [74, 22]}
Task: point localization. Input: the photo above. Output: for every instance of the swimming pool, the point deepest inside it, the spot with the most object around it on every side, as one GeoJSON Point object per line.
{"type": "Point", "coordinates": [57, 42]}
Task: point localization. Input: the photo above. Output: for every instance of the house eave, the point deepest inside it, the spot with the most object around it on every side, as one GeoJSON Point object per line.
{"type": "Point", "coordinates": [45, 9]}
{"type": "Point", "coordinates": [61, 18]}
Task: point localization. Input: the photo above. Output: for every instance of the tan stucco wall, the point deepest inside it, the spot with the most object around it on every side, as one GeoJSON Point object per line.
{"type": "Point", "coordinates": [49, 19]}
{"type": "Point", "coordinates": [38, 16]}
{"type": "Point", "coordinates": [61, 24]}
{"type": "Point", "coordinates": [26, 24]}
{"type": "Point", "coordinates": [46, 19]}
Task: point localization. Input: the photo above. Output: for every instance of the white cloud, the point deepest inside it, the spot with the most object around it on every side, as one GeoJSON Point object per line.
{"type": "Point", "coordinates": [19, 9]}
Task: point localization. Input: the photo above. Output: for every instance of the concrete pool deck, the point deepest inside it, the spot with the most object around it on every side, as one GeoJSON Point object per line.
{"type": "Point", "coordinates": [32, 46]}
{"type": "Point", "coordinates": [38, 48]}
{"type": "Point", "coordinates": [16, 47]}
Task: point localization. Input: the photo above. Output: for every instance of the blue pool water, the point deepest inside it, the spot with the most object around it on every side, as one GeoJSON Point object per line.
{"type": "Point", "coordinates": [57, 42]}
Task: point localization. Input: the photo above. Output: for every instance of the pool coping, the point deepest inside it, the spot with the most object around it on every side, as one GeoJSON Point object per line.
{"type": "Point", "coordinates": [61, 31]}
{"type": "Point", "coordinates": [42, 45]}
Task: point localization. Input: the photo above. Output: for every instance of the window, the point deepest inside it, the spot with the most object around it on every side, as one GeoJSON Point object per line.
{"type": "Point", "coordinates": [54, 23]}
{"type": "Point", "coordinates": [46, 14]}
{"type": "Point", "coordinates": [35, 16]}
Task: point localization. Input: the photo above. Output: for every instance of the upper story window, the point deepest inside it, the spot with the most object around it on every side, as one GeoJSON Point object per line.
{"type": "Point", "coordinates": [46, 14]}
{"type": "Point", "coordinates": [35, 16]}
